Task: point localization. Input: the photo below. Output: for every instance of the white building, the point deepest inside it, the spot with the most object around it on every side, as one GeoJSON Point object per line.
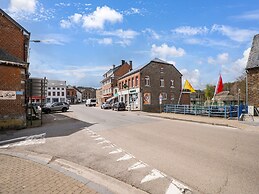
{"type": "Point", "coordinates": [56, 91]}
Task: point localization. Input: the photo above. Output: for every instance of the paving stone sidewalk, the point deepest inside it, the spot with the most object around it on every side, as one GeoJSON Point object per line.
{"type": "Point", "coordinates": [19, 175]}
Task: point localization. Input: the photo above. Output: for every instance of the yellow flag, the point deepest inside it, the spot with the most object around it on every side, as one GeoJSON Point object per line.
{"type": "Point", "coordinates": [188, 86]}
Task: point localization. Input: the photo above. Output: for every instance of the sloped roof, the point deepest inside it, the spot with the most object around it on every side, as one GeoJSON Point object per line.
{"type": "Point", "coordinates": [7, 58]}
{"type": "Point", "coordinates": [13, 21]}
{"type": "Point", "coordinates": [157, 60]}
{"type": "Point", "coordinates": [253, 60]}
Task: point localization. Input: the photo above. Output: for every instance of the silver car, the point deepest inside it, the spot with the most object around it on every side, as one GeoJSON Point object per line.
{"type": "Point", "coordinates": [56, 106]}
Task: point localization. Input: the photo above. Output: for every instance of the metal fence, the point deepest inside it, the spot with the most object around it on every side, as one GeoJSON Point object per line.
{"type": "Point", "coordinates": [211, 111]}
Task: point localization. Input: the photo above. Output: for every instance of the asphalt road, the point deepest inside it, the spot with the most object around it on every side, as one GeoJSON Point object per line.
{"type": "Point", "coordinates": [208, 159]}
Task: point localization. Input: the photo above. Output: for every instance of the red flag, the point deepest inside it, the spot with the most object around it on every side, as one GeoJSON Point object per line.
{"type": "Point", "coordinates": [219, 87]}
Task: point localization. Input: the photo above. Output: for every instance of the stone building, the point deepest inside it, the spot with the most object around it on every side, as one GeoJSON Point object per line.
{"type": "Point", "coordinates": [151, 85]}
{"type": "Point", "coordinates": [14, 44]}
{"type": "Point", "coordinates": [87, 92]}
{"type": "Point", "coordinates": [56, 91]}
{"type": "Point", "coordinates": [252, 70]}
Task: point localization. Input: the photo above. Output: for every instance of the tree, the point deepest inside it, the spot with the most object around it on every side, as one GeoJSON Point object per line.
{"type": "Point", "coordinates": [209, 91]}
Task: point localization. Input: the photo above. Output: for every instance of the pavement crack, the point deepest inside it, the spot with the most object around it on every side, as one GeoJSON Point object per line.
{"type": "Point", "coordinates": [223, 186]}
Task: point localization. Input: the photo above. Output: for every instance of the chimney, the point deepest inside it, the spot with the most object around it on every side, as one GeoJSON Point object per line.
{"type": "Point", "coordinates": [122, 62]}
{"type": "Point", "coordinates": [130, 62]}
{"type": "Point", "coordinates": [113, 66]}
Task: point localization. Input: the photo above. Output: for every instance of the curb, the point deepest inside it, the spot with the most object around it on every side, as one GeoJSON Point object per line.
{"type": "Point", "coordinates": [99, 182]}
{"type": "Point", "coordinates": [202, 122]}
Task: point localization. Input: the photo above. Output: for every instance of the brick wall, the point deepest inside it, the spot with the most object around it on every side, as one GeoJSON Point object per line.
{"type": "Point", "coordinates": [168, 73]}
{"type": "Point", "coordinates": [13, 78]}
{"type": "Point", "coordinates": [12, 39]}
{"type": "Point", "coordinates": [12, 112]}
{"type": "Point", "coordinates": [253, 87]}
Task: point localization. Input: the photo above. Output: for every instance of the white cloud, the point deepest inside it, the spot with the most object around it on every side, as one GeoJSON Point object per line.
{"type": "Point", "coordinates": [165, 52]}
{"type": "Point", "coordinates": [125, 36]}
{"type": "Point", "coordinates": [23, 5]}
{"type": "Point", "coordinates": [236, 34]}
{"type": "Point", "coordinates": [240, 64]}
{"type": "Point", "coordinates": [105, 41]}
{"type": "Point", "coordinates": [192, 76]}
{"type": "Point", "coordinates": [100, 16]}
{"type": "Point", "coordinates": [65, 24]}
{"type": "Point", "coordinates": [95, 20]}
{"type": "Point", "coordinates": [151, 33]}
{"type": "Point", "coordinates": [190, 31]}
{"type": "Point", "coordinates": [251, 15]}
{"type": "Point", "coordinates": [221, 59]}
{"type": "Point", "coordinates": [132, 11]}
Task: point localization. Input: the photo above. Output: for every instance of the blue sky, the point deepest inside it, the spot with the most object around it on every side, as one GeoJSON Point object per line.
{"type": "Point", "coordinates": [82, 39]}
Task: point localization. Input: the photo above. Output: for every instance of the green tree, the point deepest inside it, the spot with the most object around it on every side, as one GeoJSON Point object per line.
{"type": "Point", "coordinates": [209, 91]}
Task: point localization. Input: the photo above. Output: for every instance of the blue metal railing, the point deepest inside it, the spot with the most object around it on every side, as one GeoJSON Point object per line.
{"type": "Point", "coordinates": [211, 111]}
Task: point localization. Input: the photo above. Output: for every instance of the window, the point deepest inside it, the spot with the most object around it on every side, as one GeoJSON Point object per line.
{"type": "Point", "coordinates": [162, 82]}
{"type": "Point", "coordinates": [58, 88]}
{"type": "Point", "coordinates": [136, 81]}
{"type": "Point", "coordinates": [53, 93]}
{"type": "Point", "coordinates": [63, 94]}
{"type": "Point", "coordinates": [49, 93]}
{"type": "Point", "coordinates": [53, 88]}
{"type": "Point", "coordinates": [161, 70]}
{"type": "Point", "coordinates": [49, 88]}
{"type": "Point", "coordinates": [132, 82]}
{"type": "Point", "coordinates": [58, 93]}
{"type": "Point", "coordinates": [172, 83]}
{"type": "Point", "coordinates": [147, 81]}
{"type": "Point", "coordinates": [164, 95]}
{"type": "Point", "coordinates": [128, 82]}
{"type": "Point", "coordinates": [120, 86]}
{"type": "Point", "coordinates": [62, 88]}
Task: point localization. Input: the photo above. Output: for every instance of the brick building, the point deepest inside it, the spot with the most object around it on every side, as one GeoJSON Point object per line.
{"type": "Point", "coordinates": [252, 70]}
{"type": "Point", "coordinates": [111, 77]}
{"type": "Point", "coordinates": [140, 89]}
{"type": "Point", "coordinates": [14, 43]}
{"type": "Point", "coordinates": [87, 92]}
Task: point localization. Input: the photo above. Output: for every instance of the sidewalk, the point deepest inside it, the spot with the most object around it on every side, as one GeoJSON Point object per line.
{"type": "Point", "coordinates": [19, 175]}
{"type": "Point", "coordinates": [245, 125]}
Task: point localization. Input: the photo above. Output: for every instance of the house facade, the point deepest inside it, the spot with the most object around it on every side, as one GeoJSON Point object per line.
{"type": "Point", "coordinates": [56, 91]}
{"type": "Point", "coordinates": [87, 92]}
{"type": "Point", "coordinates": [252, 70]}
{"type": "Point", "coordinates": [110, 79]}
{"type": "Point", "coordinates": [14, 44]}
{"type": "Point", "coordinates": [150, 86]}
{"type": "Point", "coordinates": [71, 95]}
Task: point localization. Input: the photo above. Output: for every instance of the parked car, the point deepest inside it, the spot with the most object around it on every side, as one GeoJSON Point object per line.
{"type": "Point", "coordinates": [56, 106]}
{"type": "Point", "coordinates": [119, 106]}
{"type": "Point", "coordinates": [106, 105]}
{"type": "Point", "coordinates": [90, 102]}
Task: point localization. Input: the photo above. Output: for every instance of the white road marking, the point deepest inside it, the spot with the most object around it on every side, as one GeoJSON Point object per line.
{"type": "Point", "coordinates": [108, 146]}
{"type": "Point", "coordinates": [105, 141]}
{"type": "Point", "coordinates": [99, 139]}
{"type": "Point", "coordinates": [154, 174]}
{"type": "Point", "coordinates": [125, 157]}
{"type": "Point", "coordinates": [172, 189]}
{"type": "Point", "coordinates": [116, 151]}
{"type": "Point", "coordinates": [30, 140]}
{"type": "Point", "coordinates": [137, 165]}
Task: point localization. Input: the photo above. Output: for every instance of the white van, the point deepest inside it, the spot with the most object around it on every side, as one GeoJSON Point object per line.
{"type": "Point", "coordinates": [90, 102]}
